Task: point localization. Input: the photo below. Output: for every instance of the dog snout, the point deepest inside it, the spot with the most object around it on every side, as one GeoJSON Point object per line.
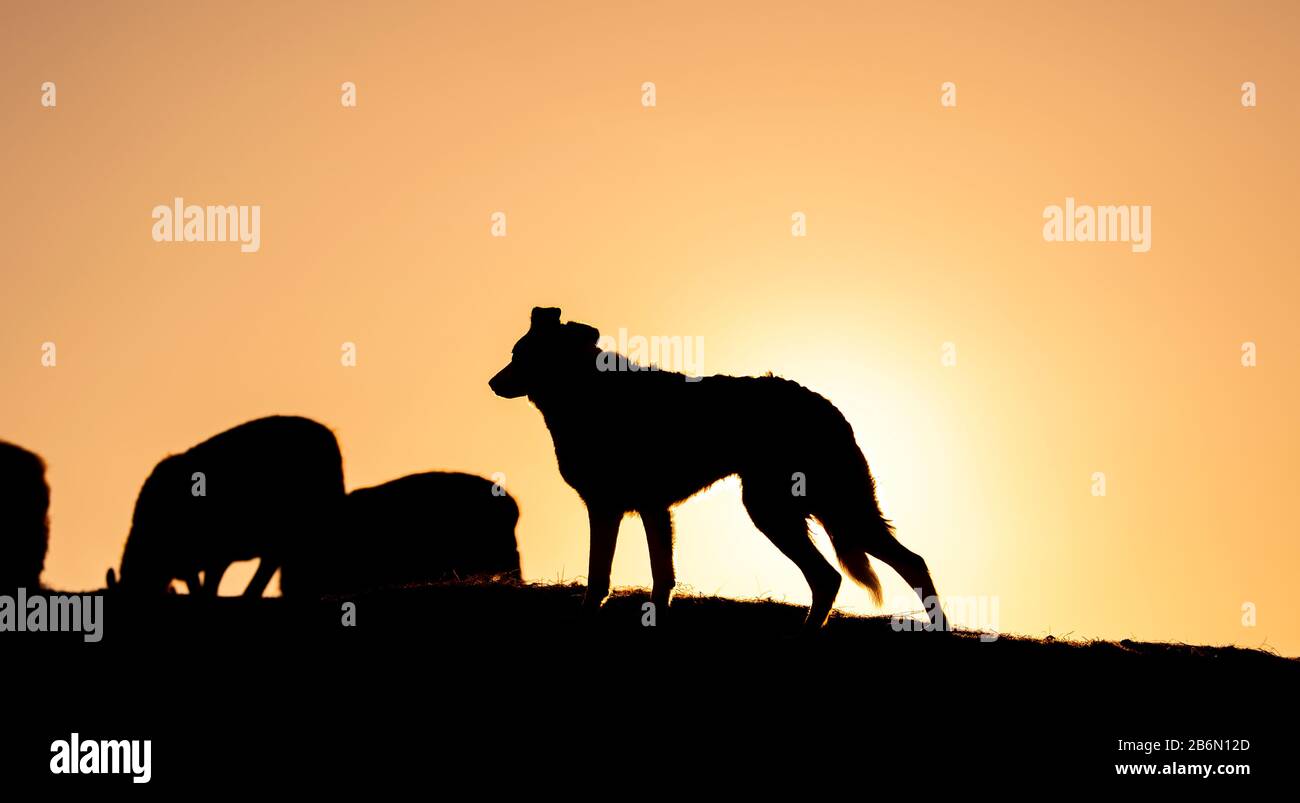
{"type": "Point", "coordinates": [505, 384]}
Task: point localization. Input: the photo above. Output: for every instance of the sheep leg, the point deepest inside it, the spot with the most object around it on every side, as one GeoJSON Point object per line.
{"type": "Point", "coordinates": [265, 571]}
{"type": "Point", "coordinates": [212, 578]}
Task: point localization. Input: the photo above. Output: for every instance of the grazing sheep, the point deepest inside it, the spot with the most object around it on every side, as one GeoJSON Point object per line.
{"type": "Point", "coordinates": [260, 490]}
{"type": "Point", "coordinates": [417, 529]}
{"type": "Point", "coordinates": [24, 517]}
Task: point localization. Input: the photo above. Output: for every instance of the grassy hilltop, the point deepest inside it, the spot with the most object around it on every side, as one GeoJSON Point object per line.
{"type": "Point", "coordinates": [508, 614]}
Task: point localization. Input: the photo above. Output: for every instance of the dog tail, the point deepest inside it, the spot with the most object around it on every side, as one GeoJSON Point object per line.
{"type": "Point", "coordinates": [851, 517]}
{"type": "Point", "coordinates": [854, 559]}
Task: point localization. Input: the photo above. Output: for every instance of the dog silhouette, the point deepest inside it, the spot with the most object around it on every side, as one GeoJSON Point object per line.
{"type": "Point", "coordinates": [418, 529]}
{"type": "Point", "coordinates": [24, 517]}
{"type": "Point", "coordinates": [633, 440]}
{"type": "Point", "coordinates": [258, 490]}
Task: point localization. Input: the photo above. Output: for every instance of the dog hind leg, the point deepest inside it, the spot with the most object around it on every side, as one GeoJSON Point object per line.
{"type": "Point", "coordinates": [912, 568]}
{"type": "Point", "coordinates": [787, 528]}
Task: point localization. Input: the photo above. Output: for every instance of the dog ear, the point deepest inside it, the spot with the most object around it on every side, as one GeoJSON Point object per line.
{"type": "Point", "coordinates": [582, 333]}
{"type": "Point", "coordinates": [545, 316]}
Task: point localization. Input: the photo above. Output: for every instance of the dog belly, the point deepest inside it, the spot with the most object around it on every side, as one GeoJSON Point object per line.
{"type": "Point", "coordinates": [646, 484]}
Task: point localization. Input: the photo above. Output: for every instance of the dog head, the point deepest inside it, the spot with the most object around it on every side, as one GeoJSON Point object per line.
{"type": "Point", "coordinates": [548, 352]}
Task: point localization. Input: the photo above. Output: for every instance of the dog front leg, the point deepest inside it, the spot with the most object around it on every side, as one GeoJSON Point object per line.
{"type": "Point", "coordinates": [659, 534]}
{"type": "Point", "coordinates": [604, 536]}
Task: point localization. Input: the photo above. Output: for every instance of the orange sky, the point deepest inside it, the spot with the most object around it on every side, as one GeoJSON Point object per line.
{"type": "Point", "coordinates": [924, 227]}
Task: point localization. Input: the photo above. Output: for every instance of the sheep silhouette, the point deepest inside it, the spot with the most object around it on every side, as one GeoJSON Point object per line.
{"type": "Point", "coordinates": [421, 528]}
{"type": "Point", "coordinates": [259, 490]}
{"type": "Point", "coordinates": [24, 517]}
